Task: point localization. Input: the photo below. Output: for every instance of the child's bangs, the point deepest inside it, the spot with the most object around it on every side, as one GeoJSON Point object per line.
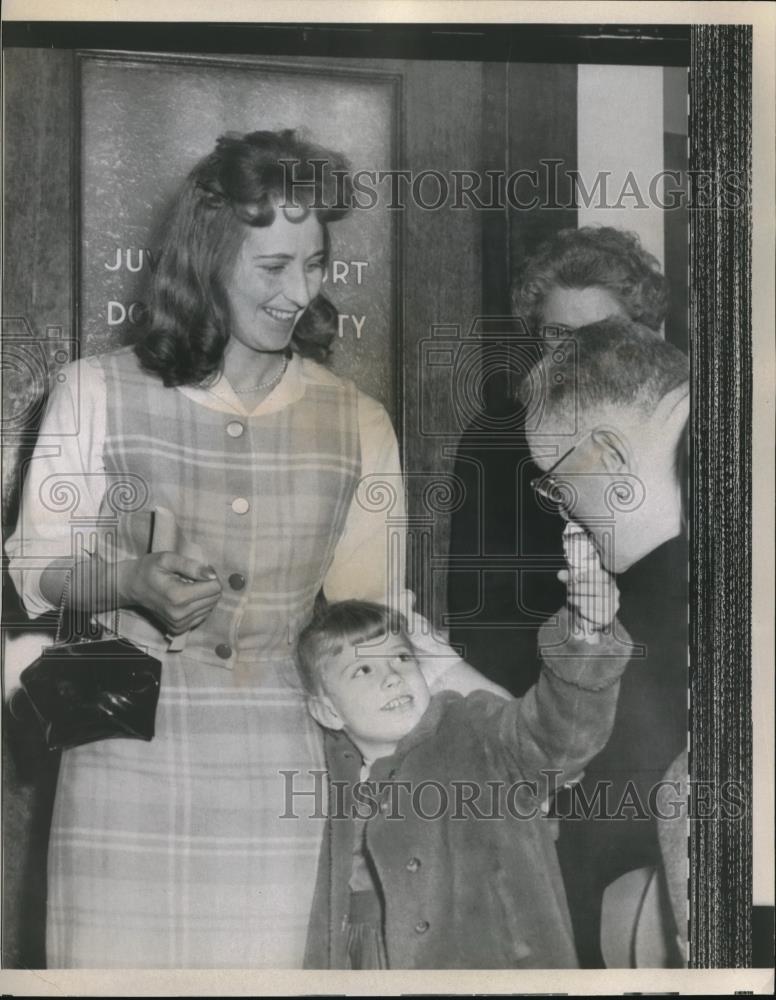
{"type": "Point", "coordinates": [355, 623]}
{"type": "Point", "coordinates": [363, 625]}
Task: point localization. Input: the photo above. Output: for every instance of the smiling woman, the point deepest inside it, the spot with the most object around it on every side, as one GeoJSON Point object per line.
{"type": "Point", "coordinates": [243, 260]}
{"type": "Point", "coordinates": [173, 853]}
{"type": "Point", "coordinates": [278, 272]}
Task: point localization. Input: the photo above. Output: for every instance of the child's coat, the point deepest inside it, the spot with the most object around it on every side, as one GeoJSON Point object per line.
{"type": "Point", "coordinates": [470, 893]}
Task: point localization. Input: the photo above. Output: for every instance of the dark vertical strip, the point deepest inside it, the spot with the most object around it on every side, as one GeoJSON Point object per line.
{"type": "Point", "coordinates": [542, 137]}
{"type": "Point", "coordinates": [763, 937]}
{"type": "Point", "coordinates": [442, 298]}
{"type": "Point", "coordinates": [676, 236]}
{"type": "Point", "coordinates": [398, 239]}
{"type": "Point", "coordinates": [496, 261]}
{"type": "Point", "coordinates": [720, 535]}
{"type": "Point", "coordinates": [76, 198]}
{"type": "Point", "coordinates": [676, 222]}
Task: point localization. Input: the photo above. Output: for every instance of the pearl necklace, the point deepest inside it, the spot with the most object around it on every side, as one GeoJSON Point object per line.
{"type": "Point", "coordinates": [267, 383]}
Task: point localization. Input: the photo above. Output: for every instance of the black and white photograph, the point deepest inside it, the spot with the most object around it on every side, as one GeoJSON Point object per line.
{"type": "Point", "coordinates": [382, 551]}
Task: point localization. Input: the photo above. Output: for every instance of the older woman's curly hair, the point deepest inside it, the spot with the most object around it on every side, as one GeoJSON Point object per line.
{"type": "Point", "coordinates": [239, 184]}
{"type": "Point", "coordinates": [603, 257]}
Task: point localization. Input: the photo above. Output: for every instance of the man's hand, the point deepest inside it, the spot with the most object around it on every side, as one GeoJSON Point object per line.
{"type": "Point", "coordinates": [592, 592]}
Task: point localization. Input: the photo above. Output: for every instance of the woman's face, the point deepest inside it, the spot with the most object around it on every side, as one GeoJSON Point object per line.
{"type": "Point", "coordinates": [575, 307]}
{"type": "Point", "coordinates": [278, 272]}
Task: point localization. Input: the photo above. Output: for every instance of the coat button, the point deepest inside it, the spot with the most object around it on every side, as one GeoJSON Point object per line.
{"type": "Point", "coordinates": [240, 505]}
{"type": "Point", "coordinates": [235, 429]}
{"type": "Point", "coordinates": [413, 864]}
{"type": "Point", "coordinates": [422, 926]}
{"type": "Point", "coordinates": [237, 581]}
{"type": "Point", "coordinates": [224, 650]}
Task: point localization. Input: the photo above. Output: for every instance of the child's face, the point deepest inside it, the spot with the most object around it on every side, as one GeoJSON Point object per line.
{"type": "Point", "coordinates": [375, 691]}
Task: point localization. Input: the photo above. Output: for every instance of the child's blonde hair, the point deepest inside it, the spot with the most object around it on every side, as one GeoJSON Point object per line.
{"type": "Point", "coordinates": [335, 624]}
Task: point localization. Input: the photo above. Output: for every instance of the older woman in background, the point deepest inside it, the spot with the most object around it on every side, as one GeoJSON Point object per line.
{"type": "Point", "coordinates": [578, 276]}
{"type": "Point", "coordinates": [583, 275]}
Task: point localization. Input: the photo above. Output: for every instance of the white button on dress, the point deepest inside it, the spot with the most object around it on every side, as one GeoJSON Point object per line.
{"type": "Point", "coordinates": [240, 505]}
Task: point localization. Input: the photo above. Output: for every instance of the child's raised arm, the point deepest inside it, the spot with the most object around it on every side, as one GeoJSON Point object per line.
{"type": "Point", "coordinates": [567, 717]}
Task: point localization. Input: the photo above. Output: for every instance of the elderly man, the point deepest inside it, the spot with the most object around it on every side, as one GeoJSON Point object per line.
{"type": "Point", "coordinates": [505, 549]}
{"type": "Point", "coordinates": [610, 436]}
{"type": "Point", "coordinates": [615, 411]}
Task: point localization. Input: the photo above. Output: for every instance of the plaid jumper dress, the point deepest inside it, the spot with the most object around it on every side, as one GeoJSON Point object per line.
{"type": "Point", "coordinates": [173, 853]}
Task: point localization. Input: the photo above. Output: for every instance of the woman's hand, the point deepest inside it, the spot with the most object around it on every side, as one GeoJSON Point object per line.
{"type": "Point", "coordinates": [180, 592]}
{"type": "Point", "coordinates": [592, 592]}
{"type": "Point", "coordinates": [442, 667]}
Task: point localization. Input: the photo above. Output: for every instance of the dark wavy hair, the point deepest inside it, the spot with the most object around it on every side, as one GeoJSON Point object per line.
{"type": "Point", "coordinates": [604, 257]}
{"type": "Point", "coordinates": [243, 182]}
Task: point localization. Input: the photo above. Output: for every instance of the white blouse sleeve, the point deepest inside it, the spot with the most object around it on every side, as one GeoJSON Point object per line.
{"type": "Point", "coordinates": [369, 559]}
{"type": "Point", "coordinates": [64, 481]}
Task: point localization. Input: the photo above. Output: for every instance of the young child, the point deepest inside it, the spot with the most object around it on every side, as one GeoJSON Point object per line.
{"type": "Point", "coordinates": [437, 851]}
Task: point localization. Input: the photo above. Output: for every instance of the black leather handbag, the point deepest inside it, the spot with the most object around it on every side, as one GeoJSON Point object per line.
{"type": "Point", "coordinates": [89, 690]}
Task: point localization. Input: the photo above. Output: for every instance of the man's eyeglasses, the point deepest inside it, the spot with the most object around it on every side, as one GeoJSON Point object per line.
{"type": "Point", "coordinates": [548, 485]}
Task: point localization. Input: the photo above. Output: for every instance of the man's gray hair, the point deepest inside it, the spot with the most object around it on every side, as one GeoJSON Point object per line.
{"type": "Point", "coordinates": [614, 363]}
